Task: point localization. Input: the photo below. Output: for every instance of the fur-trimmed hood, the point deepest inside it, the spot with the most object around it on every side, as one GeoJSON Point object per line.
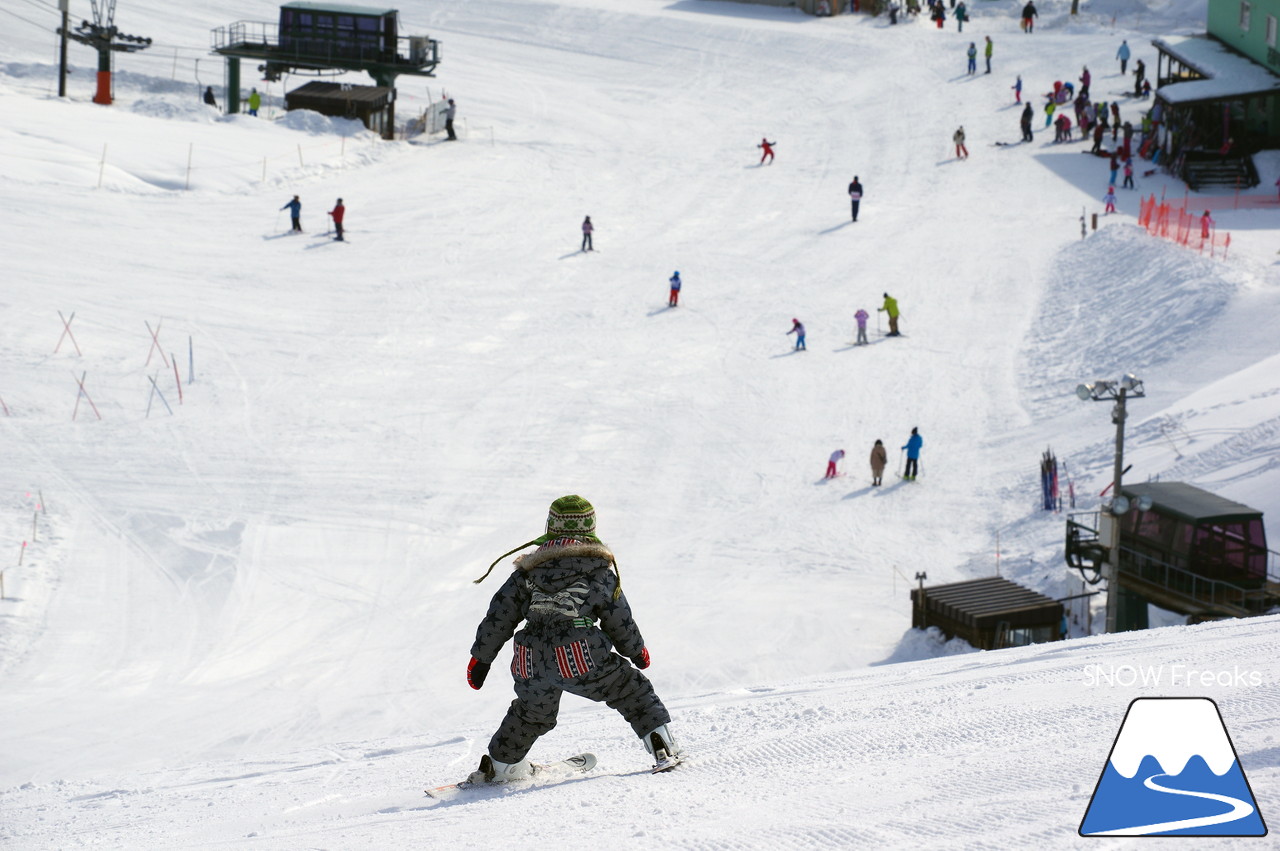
{"type": "Point", "coordinates": [563, 548]}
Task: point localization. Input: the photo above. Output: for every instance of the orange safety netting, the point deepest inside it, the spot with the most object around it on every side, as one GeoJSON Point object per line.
{"type": "Point", "coordinates": [1163, 219]}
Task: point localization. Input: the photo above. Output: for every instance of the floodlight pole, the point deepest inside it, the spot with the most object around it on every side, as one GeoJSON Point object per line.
{"type": "Point", "coordinates": [1113, 545]}
{"type": "Point", "coordinates": [1119, 391]}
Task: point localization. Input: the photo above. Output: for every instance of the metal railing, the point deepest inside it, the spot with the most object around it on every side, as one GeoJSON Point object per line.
{"type": "Point", "coordinates": [322, 48]}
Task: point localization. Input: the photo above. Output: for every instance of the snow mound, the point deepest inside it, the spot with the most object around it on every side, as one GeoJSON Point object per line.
{"type": "Point", "coordinates": [1163, 295]}
{"type": "Point", "coordinates": [309, 121]}
{"type": "Point", "coordinates": [918, 644]}
{"type": "Point", "coordinates": [170, 111]}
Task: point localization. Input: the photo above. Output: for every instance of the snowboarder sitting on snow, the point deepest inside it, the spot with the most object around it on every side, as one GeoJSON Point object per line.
{"type": "Point", "coordinates": [767, 146]}
{"type": "Point", "coordinates": [797, 328]}
{"type": "Point", "coordinates": [295, 210]}
{"type": "Point", "coordinates": [575, 617]}
{"type": "Point", "coordinates": [913, 456]}
{"type": "Point", "coordinates": [209, 98]}
{"type": "Point", "coordinates": [674, 298]}
{"type": "Point", "coordinates": [832, 472]}
{"type": "Point", "coordinates": [890, 307]}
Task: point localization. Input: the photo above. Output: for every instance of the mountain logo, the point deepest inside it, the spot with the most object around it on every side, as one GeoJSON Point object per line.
{"type": "Point", "coordinates": [1173, 771]}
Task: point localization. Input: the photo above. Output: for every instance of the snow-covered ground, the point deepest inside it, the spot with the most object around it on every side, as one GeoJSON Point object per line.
{"type": "Point", "coordinates": [247, 622]}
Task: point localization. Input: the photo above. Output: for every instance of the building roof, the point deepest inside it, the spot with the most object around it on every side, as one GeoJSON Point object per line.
{"type": "Point", "coordinates": [1227, 74]}
{"type": "Point", "coordinates": [984, 597]}
{"type": "Point", "coordinates": [1189, 502]}
{"type": "Point", "coordinates": [337, 8]}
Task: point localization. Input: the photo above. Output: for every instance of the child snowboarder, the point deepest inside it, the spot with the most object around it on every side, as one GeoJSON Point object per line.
{"type": "Point", "coordinates": [578, 637]}
{"type": "Point", "coordinates": [767, 147]}
{"type": "Point", "coordinates": [674, 298]}
{"type": "Point", "coordinates": [836, 456]}
{"type": "Point", "coordinates": [587, 230]}
{"type": "Point", "coordinates": [295, 212]}
{"type": "Point", "coordinates": [912, 446]}
{"type": "Point", "coordinates": [879, 458]}
{"type": "Point", "coordinates": [1110, 198]}
{"type": "Point", "coordinates": [797, 328]}
{"type": "Point", "coordinates": [861, 316]}
{"type": "Point", "coordinates": [962, 153]}
{"type": "Point", "coordinates": [890, 307]}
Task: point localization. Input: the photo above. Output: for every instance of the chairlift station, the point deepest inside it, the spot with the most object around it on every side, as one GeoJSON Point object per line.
{"type": "Point", "coordinates": [319, 38]}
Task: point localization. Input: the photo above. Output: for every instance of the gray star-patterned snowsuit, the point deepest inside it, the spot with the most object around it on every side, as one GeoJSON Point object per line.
{"type": "Point", "coordinates": [564, 592]}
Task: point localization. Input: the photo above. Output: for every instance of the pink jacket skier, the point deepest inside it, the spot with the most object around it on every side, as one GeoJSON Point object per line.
{"type": "Point", "coordinates": [831, 464]}
{"type": "Point", "coordinates": [861, 316]}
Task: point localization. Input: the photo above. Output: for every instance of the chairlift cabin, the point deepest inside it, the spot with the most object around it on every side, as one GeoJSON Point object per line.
{"type": "Point", "coordinates": [1183, 549]}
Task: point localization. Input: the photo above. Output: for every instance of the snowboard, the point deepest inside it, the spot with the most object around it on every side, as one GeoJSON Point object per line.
{"type": "Point", "coordinates": [542, 774]}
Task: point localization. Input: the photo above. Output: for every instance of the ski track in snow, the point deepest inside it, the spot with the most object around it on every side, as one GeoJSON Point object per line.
{"type": "Point", "coordinates": [245, 623]}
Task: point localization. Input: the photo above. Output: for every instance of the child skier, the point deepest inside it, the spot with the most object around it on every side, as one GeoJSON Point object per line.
{"type": "Point", "coordinates": [879, 458]}
{"type": "Point", "coordinates": [767, 146]}
{"type": "Point", "coordinates": [836, 456]}
{"type": "Point", "coordinates": [1017, 90]}
{"type": "Point", "coordinates": [674, 298]}
{"type": "Point", "coordinates": [578, 637]}
{"type": "Point", "coordinates": [1110, 198]}
{"type": "Point", "coordinates": [962, 153]}
{"type": "Point", "coordinates": [797, 328]}
{"type": "Point", "coordinates": [913, 455]}
{"type": "Point", "coordinates": [295, 212]}
{"type": "Point", "coordinates": [861, 316]}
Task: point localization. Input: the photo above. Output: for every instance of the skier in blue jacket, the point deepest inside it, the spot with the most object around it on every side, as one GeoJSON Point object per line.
{"type": "Point", "coordinates": [913, 455]}
{"type": "Point", "coordinates": [295, 212]}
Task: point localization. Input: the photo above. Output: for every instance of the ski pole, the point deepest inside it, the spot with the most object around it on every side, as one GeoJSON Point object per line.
{"type": "Point", "coordinates": [901, 469]}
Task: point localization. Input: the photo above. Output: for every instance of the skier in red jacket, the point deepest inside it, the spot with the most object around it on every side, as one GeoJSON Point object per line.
{"type": "Point", "coordinates": [768, 150]}
{"type": "Point", "coordinates": [337, 213]}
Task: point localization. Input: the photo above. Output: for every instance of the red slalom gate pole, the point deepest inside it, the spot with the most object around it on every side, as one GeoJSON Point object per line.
{"type": "Point", "coordinates": [176, 379]}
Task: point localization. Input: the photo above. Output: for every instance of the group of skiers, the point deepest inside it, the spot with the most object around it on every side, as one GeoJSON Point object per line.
{"type": "Point", "coordinates": [879, 459]}
{"type": "Point", "coordinates": [338, 213]}
{"type": "Point", "coordinates": [890, 307]}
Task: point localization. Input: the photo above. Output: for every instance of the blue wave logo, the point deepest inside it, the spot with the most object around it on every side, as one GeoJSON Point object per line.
{"type": "Point", "coordinates": [1173, 771]}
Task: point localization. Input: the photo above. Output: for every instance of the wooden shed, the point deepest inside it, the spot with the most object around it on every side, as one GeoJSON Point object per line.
{"type": "Point", "coordinates": [373, 105]}
{"type": "Point", "coordinates": [988, 613]}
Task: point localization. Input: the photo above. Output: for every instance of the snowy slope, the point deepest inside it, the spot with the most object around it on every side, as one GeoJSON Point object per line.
{"type": "Point", "coordinates": [269, 593]}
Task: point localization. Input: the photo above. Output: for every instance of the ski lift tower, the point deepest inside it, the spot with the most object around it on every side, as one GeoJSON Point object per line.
{"type": "Point", "coordinates": [319, 38]}
{"type": "Point", "coordinates": [103, 36]}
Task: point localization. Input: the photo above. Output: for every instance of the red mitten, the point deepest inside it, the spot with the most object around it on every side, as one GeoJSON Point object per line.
{"type": "Point", "coordinates": [641, 659]}
{"type": "Point", "coordinates": [476, 672]}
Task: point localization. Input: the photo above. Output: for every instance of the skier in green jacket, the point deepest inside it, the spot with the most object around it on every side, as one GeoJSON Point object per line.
{"type": "Point", "coordinates": [891, 307]}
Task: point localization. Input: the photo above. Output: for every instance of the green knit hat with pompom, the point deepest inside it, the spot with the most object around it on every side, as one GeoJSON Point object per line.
{"type": "Point", "coordinates": [569, 517]}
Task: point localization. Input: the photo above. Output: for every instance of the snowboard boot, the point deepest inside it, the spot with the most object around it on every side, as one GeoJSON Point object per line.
{"type": "Point", "coordinates": [492, 771]}
{"type": "Point", "coordinates": [662, 745]}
